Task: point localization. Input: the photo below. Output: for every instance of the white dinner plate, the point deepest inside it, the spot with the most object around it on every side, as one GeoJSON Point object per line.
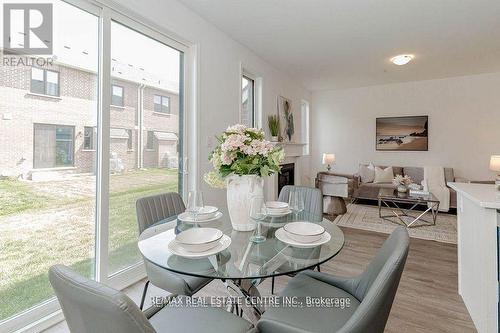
{"type": "Point", "coordinates": [187, 217]}
{"type": "Point", "coordinates": [274, 214]}
{"type": "Point", "coordinates": [282, 236]}
{"type": "Point", "coordinates": [176, 248]}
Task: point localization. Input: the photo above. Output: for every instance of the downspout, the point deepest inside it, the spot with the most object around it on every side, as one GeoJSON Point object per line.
{"type": "Point", "coordinates": [140, 126]}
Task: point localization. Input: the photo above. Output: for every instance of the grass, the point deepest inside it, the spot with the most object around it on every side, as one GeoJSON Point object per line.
{"type": "Point", "coordinates": [33, 238]}
{"type": "Point", "coordinates": [16, 197]}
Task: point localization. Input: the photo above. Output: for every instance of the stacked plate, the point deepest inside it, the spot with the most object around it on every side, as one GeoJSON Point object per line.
{"type": "Point", "coordinates": [206, 214]}
{"type": "Point", "coordinates": [303, 234]}
{"type": "Point", "coordinates": [199, 243]}
{"type": "Point", "coordinates": [277, 208]}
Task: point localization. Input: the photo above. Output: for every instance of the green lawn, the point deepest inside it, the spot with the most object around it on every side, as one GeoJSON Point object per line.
{"type": "Point", "coordinates": [16, 197]}
{"type": "Point", "coordinates": [28, 250]}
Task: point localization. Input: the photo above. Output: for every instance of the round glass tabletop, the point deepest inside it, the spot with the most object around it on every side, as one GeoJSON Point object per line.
{"type": "Point", "coordinates": [243, 259]}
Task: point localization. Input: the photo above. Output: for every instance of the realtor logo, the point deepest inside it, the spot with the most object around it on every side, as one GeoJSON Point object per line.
{"type": "Point", "coordinates": [27, 28]}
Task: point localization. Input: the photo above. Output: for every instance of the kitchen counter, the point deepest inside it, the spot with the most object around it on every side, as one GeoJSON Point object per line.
{"type": "Point", "coordinates": [477, 244]}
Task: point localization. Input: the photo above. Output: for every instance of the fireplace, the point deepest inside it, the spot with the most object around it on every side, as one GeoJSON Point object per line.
{"type": "Point", "coordinates": [286, 176]}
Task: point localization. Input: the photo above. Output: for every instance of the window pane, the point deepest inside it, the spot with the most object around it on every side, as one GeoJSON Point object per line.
{"type": "Point", "coordinates": [64, 153]}
{"type": "Point", "coordinates": [117, 96]}
{"type": "Point", "coordinates": [147, 70]}
{"type": "Point", "coordinates": [165, 101]}
{"type": "Point", "coordinates": [247, 101]}
{"type": "Point", "coordinates": [48, 220]}
{"type": "Point", "coordinates": [37, 83]}
{"type": "Point", "coordinates": [157, 99]}
{"type": "Point", "coordinates": [52, 84]}
{"type": "Point", "coordinates": [88, 140]}
{"type": "Point", "coordinates": [117, 91]}
{"type": "Point", "coordinates": [52, 77]}
{"type": "Point", "coordinates": [37, 74]}
{"type": "Point", "coordinates": [44, 146]}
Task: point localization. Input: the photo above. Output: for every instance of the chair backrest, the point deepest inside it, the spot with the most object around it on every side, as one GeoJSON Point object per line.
{"type": "Point", "coordinates": [89, 306]}
{"type": "Point", "coordinates": [158, 207]}
{"type": "Point", "coordinates": [377, 286]}
{"type": "Point", "coordinates": [313, 198]}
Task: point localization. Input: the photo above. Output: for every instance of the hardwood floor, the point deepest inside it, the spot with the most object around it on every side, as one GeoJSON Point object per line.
{"type": "Point", "coordinates": [427, 299]}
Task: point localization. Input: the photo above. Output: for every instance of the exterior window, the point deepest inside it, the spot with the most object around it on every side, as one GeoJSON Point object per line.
{"type": "Point", "coordinates": [247, 101]}
{"type": "Point", "coordinates": [129, 140]}
{"type": "Point", "coordinates": [89, 138]}
{"type": "Point", "coordinates": [44, 82]}
{"type": "Point", "coordinates": [150, 140]}
{"type": "Point", "coordinates": [162, 104]}
{"type": "Point", "coordinates": [116, 95]}
{"type": "Point", "coordinates": [53, 146]}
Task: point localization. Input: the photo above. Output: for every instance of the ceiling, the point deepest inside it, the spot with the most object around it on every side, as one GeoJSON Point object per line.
{"type": "Point", "coordinates": [337, 44]}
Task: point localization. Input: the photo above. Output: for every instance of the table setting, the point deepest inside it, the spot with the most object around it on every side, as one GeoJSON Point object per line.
{"type": "Point", "coordinates": [249, 239]}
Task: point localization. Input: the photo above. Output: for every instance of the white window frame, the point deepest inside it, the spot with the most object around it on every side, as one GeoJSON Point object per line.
{"type": "Point", "coordinates": [257, 94]}
{"type": "Point", "coordinates": [305, 119]}
{"type": "Point", "coordinates": [48, 313]}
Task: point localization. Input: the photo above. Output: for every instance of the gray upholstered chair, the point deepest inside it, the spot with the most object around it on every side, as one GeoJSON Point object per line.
{"type": "Point", "coordinates": [155, 209]}
{"type": "Point", "coordinates": [371, 295]}
{"type": "Point", "coordinates": [313, 203]}
{"type": "Point", "coordinates": [313, 198]}
{"type": "Point", "coordinates": [91, 307]}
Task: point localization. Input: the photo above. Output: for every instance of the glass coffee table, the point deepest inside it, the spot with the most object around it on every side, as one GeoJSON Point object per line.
{"type": "Point", "coordinates": [392, 199]}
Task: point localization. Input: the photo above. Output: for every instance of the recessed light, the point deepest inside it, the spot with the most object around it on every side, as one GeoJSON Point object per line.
{"type": "Point", "coordinates": [402, 59]}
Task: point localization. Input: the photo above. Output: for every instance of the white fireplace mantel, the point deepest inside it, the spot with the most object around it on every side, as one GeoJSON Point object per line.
{"type": "Point", "coordinates": [292, 149]}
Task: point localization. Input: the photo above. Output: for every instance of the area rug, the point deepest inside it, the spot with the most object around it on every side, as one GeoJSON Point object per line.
{"type": "Point", "coordinates": [366, 218]}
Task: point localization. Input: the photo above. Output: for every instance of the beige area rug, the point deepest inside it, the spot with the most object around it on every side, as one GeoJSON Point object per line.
{"type": "Point", "coordinates": [366, 218]}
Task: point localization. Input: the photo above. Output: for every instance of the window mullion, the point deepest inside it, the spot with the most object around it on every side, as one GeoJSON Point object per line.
{"type": "Point", "coordinates": [103, 144]}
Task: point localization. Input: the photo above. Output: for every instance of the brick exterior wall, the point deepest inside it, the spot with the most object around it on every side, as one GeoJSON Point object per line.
{"type": "Point", "coordinates": [76, 106]}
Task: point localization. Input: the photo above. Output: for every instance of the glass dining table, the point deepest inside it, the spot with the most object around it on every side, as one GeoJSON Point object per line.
{"type": "Point", "coordinates": [244, 264]}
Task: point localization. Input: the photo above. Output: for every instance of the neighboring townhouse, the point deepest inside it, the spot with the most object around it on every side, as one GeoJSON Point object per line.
{"type": "Point", "coordinates": [48, 122]}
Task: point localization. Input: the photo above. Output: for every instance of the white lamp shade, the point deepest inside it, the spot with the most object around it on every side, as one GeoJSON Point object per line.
{"type": "Point", "coordinates": [495, 163]}
{"type": "Point", "coordinates": [328, 158]}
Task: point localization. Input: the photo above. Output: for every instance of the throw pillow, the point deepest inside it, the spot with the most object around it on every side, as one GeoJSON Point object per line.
{"type": "Point", "coordinates": [383, 175]}
{"type": "Point", "coordinates": [366, 173]}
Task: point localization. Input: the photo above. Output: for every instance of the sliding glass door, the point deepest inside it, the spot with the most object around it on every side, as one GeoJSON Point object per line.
{"type": "Point", "coordinates": [144, 133]}
{"type": "Point", "coordinates": [47, 174]}
{"type": "Point", "coordinates": [82, 138]}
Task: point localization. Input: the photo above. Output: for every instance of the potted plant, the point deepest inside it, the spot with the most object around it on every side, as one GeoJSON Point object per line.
{"type": "Point", "coordinates": [402, 183]}
{"type": "Point", "coordinates": [240, 161]}
{"type": "Point", "coordinates": [274, 127]}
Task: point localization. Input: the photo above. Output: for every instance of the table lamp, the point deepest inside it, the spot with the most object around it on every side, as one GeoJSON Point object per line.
{"type": "Point", "coordinates": [329, 159]}
{"type": "Point", "coordinates": [495, 166]}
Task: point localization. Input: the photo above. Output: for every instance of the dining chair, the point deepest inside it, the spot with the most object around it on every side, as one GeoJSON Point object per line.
{"type": "Point", "coordinates": [91, 307]}
{"type": "Point", "coordinates": [363, 303]}
{"type": "Point", "coordinates": [155, 209]}
{"type": "Point", "coordinates": [313, 199]}
{"type": "Point", "coordinates": [313, 204]}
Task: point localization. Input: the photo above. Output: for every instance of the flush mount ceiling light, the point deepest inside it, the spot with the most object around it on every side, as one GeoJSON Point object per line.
{"type": "Point", "coordinates": [402, 59]}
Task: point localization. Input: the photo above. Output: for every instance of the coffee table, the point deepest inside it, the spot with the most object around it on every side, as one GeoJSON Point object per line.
{"type": "Point", "coordinates": [392, 199]}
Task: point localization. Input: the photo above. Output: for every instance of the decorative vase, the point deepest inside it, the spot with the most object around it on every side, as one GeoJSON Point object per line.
{"type": "Point", "coordinates": [402, 189]}
{"type": "Point", "coordinates": [239, 191]}
{"type": "Point", "coordinates": [274, 139]}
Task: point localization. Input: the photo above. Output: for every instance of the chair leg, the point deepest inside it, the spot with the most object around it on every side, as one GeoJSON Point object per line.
{"type": "Point", "coordinates": [272, 285]}
{"type": "Point", "coordinates": [144, 292]}
{"type": "Point", "coordinates": [319, 269]}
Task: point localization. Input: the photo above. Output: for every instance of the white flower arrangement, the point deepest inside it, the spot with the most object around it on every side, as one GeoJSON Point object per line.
{"type": "Point", "coordinates": [243, 151]}
{"type": "Point", "coordinates": [401, 180]}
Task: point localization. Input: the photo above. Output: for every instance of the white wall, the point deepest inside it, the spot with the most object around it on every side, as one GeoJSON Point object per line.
{"type": "Point", "coordinates": [464, 124]}
{"type": "Point", "coordinates": [219, 75]}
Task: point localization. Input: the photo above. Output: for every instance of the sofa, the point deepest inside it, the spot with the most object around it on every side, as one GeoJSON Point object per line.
{"type": "Point", "coordinates": [369, 191]}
